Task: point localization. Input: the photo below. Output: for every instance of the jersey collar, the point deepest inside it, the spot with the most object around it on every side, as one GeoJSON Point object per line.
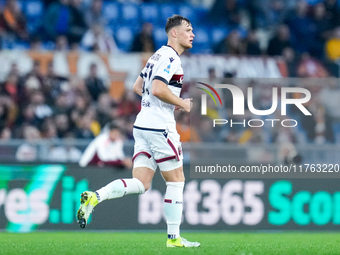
{"type": "Point", "coordinates": [172, 48]}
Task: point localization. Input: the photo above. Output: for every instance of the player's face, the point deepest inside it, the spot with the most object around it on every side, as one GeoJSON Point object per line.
{"type": "Point", "coordinates": [185, 35]}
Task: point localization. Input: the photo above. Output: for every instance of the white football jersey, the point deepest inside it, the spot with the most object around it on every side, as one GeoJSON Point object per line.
{"type": "Point", "coordinates": [164, 65]}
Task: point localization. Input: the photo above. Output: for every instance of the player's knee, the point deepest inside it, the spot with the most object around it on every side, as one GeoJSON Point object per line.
{"type": "Point", "coordinates": [146, 185]}
{"type": "Point", "coordinates": [174, 176]}
{"type": "Point", "coordinates": [143, 184]}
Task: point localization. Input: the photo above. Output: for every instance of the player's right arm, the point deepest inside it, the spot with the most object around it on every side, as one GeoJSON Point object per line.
{"type": "Point", "coordinates": [162, 92]}
{"type": "Point", "coordinates": [138, 86]}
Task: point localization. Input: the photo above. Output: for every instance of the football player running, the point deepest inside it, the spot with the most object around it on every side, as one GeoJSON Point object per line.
{"type": "Point", "coordinates": [157, 143]}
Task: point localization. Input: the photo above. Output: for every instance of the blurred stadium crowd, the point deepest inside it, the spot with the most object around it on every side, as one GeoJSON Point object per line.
{"type": "Point", "coordinates": [273, 27]}
{"type": "Point", "coordinates": [305, 33]}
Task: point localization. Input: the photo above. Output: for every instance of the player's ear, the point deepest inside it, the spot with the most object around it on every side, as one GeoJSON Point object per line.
{"type": "Point", "coordinates": [173, 32]}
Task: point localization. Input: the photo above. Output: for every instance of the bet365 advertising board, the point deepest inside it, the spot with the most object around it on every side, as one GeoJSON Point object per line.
{"type": "Point", "coordinates": [46, 197]}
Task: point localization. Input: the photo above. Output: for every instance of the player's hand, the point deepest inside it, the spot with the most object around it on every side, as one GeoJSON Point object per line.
{"type": "Point", "coordinates": [187, 105]}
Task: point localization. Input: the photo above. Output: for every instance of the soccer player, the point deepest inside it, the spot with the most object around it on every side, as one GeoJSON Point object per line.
{"type": "Point", "coordinates": [156, 139]}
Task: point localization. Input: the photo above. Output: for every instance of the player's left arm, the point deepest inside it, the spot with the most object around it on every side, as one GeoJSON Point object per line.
{"type": "Point", "coordinates": [138, 86]}
{"type": "Point", "coordinates": [162, 92]}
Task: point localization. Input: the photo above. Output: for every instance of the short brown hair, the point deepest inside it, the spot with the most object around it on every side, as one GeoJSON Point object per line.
{"type": "Point", "coordinates": [174, 21]}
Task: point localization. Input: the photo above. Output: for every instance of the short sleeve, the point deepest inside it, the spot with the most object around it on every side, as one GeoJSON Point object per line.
{"type": "Point", "coordinates": [168, 66]}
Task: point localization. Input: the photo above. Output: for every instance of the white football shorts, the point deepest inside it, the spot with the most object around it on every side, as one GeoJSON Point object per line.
{"type": "Point", "coordinates": [156, 147]}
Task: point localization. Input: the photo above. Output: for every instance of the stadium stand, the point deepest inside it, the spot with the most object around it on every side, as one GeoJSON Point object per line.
{"type": "Point", "coordinates": [63, 75]}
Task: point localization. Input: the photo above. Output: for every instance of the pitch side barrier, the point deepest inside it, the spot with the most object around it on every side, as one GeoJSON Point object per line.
{"type": "Point", "coordinates": [46, 197]}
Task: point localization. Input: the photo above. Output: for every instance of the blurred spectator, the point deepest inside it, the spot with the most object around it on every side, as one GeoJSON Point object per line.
{"type": "Point", "coordinates": [333, 45]}
{"type": "Point", "coordinates": [187, 133]}
{"type": "Point", "coordinates": [94, 15]}
{"type": "Point", "coordinates": [65, 152]}
{"type": "Point", "coordinates": [31, 85]}
{"type": "Point", "coordinates": [54, 85]}
{"type": "Point", "coordinates": [61, 105]}
{"type": "Point", "coordinates": [61, 43]}
{"type": "Point", "coordinates": [127, 126]}
{"type": "Point", "coordinates": [232, 136]}
{"type": "Point", "coordinates": [78, 110]}
{"type": "Point", "coordinates": [84, 129]}
{"type": "Point", "coordinates": [288, 154]}
{"type": "Point", "coordinates": [27, 117]}
{"type": "Point", "coordinates": [332, 11]}
{"type": "Point", "coordinates": [279, 41]}
{"type": "Point", "coordinates": [6, 107]}
{"type": "Point", "coordinates": [98, 40]}
{"type": "Point", "coordinates": [232, 44]}
{"type": "Point", "coordinates": [11, 87]}
{"type": "Point", "coordinates": [276, 12]}
{"type": "Point", "coordinates": [318, 126]}
{"type": "Point", "coordinates": [106, 150]}
{"type": "Point", "coordinates": [291, 61]}
{"type": "Point", "coordinates": [28, 151]}
{"type": "Point", "coordinates": [77, 25]}
{"type": "Point", "coordinates": [252, 46]}
{"type": "Point", "coordinates": [311, 67]}
{"type": "Point", "coordinates": [36, 43]}
{"type": "Point", "coordinates": [94, 126]}
{"type": "Point", "coordinates": [252, 135]}
{"type": "Point", "coordinates": [41, 109]}
{"type": "Point", "coordinates": [94, 84]}
{"type": "Point", "coordinates": [5, 133]}
{"type": "Point", "coordinates": [302, 28]}
{"type": "Point", "coordinates": [57, 19]}
{"type": "Point", "coordinates": [323, 127]}
{"type": "Point", "coordinates": [36, 72]}
{"type": "Point", "coordinates": [12, 21]}
{"type": "Point", "coordinates": [15, 70]}
{"type": "Point", "coordinates": [206, 132]}
{"type": "Point", "coordinates": [144, 41]}
{"type": "Point", "coordinates": [329, 97]}
{"type": "Point", "coordinates": [104, 106]}
{"type": "Point", "coordinates": [48, 129]}
{"type": "Point", "coordinates": [129, 105]}
{"type": "Point", "coordinates": [226, 12]}
{"type": "Point", "coordinates": [62, 125]}
{"type": "Point", "coordinates": [257, 13]}
{"type": "Point", "coordinates": [323, 27]}
{"type": "Point", "coordinates": [282, 135]}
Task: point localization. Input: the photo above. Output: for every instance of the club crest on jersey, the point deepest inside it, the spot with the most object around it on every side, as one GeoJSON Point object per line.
{"type": "Point", "coordinates": [156, 57]}
{"type": "Point", "coordinates": [167, 69]}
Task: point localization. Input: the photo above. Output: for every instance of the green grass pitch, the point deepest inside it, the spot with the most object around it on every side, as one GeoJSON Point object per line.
{"type": "Point", "coordinates": [101, 243]}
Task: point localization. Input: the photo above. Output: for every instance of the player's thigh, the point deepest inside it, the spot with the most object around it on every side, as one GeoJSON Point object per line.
{"type": "Point", "coordinates": [142, 156]}
{"type": "Point", "coordinates": [144, 174]}
{"type": "Point", "coordinates": [176, 175]}
{"type": "Point", "coordinates": [167, 151]}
